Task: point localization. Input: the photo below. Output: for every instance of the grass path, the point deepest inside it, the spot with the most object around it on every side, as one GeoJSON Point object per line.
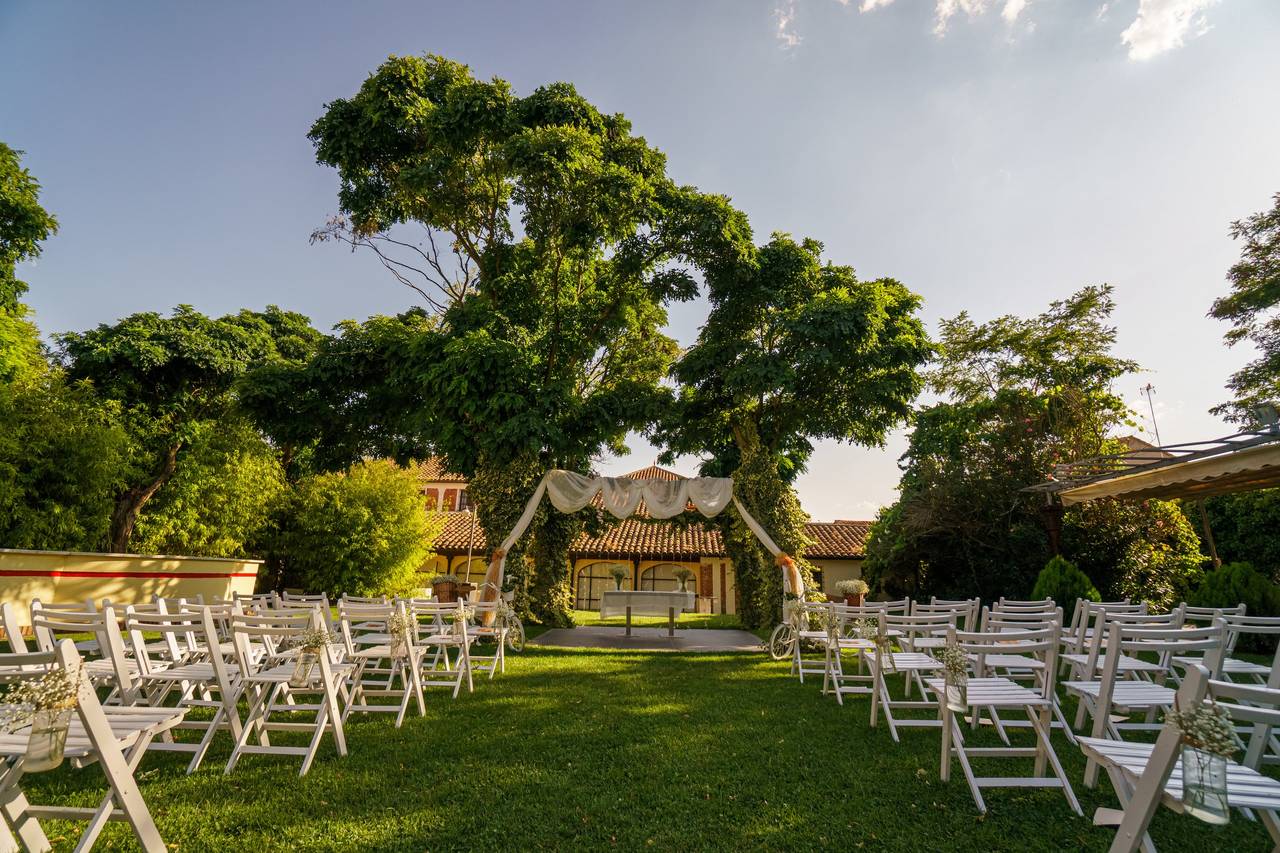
{"type": "Point", "coordinates": [603, 750]}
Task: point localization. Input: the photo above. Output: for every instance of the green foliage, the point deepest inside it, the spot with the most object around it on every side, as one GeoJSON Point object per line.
{"type": "Point", "coordinates": [550, 242]}
{"type": "Point", "coordinates": [1250, 308]}
{"type": "Point", "coordinates": [1064, 583]}
{"type": "Point", "coordinates": [1019, 394]}
{"type": "Point", "coordinates": [1244, 526]}
{"type": "Point", "coordinates": [174, 379]}
{"type": "Point", "coordinates": [1144, 551]}
{"type": "Point", "coordinates": [61, 454]}
{"type": "Point", "coordinates": [24, 225]}
{"type": "Point", "coordinates": [221, 501]}
{"type": "Point", "coordinates": [1238, 583]}
{"type": "Point", "coordinates": [364, 531]}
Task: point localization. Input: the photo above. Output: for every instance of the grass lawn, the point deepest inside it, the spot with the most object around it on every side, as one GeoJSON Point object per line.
{"type": "Point", "coordinates": [602, 750]}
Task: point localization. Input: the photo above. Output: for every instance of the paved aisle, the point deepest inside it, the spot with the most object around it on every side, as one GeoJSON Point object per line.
{"type": "Point", "coordinates": [650, 639]}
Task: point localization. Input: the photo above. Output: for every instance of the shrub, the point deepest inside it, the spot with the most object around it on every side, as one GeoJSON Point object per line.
{"type": "Point", "coordinates": [1239, 583]}
{"type": "Point", "coordinates": [364, 531]}
{"type": "Point", "coordinates": [1064, 583]}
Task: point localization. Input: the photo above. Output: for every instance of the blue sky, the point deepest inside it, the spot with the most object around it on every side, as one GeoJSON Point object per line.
{"type": "Point", "coordinates": [991, 154]}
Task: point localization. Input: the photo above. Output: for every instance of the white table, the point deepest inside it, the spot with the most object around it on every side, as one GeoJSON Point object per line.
{"type": "Point", "coordinates": [616, 602]}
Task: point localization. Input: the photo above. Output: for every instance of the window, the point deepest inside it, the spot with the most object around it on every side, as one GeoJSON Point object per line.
{"type": "Point", "coordinates": [594, 579]}
{"type": "Point", "coordinates": [464, 502]}
{"type": "Point", "coordinates": [662, 578]}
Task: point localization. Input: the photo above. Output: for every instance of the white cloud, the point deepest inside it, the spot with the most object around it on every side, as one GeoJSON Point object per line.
{"type": "Point", "coordinates": [784, 15]}
{"type": "Point", "coordinates": [1163, 25]}
{"type": "Point", "coordinates": [868, 5]}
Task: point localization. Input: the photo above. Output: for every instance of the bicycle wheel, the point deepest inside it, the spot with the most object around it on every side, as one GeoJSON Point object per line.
{"type": "Point", "coordinates": [780, 642]}
{"type": "Point", "coordinates": [515, 635]}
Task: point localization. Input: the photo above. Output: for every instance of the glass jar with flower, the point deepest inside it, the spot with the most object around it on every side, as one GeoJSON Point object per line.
{"type": "Point", "coordinates": [955, 675]}
{"type": "Point", "coordinates": [311, 643]}
{"type": "Point", "coordinates": [1208, 740]}
{"type": "Point", "coordinates": [46, 704]}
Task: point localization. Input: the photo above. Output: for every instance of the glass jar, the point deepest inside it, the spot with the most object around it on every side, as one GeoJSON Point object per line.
{"type": "Point", "coordinates": [1204, 785]}
{"type": "Point", "coordinates": [957, 692]}
{"type": "Point", "coordinates": [399, 646]}
{"type": "Point", "coordinates": [47, 742]}
{"type": "Point", "coordinates": [302, 667]}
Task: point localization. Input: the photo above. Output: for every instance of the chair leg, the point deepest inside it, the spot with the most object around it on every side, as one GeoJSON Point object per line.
{"type": "Point", "coordinates": [1040, 721]}
{"type": "Point", "coordinates": [14, 805]}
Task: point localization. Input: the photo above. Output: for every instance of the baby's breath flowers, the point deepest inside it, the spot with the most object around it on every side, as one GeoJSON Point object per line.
{"type": "Point", "coordinates": [1206, 727]}
{"type": "Point", "coordinates": [56, 690]}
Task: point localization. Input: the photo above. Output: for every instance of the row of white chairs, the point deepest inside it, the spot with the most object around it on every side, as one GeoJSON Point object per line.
{"type": "Point", "coordinates": [1116, 659]}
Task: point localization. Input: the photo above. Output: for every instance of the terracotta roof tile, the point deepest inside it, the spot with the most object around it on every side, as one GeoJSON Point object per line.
{"type": "Point", "coordinates": [432, 470]}
{"type": "Point", "coordinates": [633, 537]}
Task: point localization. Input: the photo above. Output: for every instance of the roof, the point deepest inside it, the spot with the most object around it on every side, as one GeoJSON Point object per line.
{"type": "Point", "coordinates": [433, 470]}
{"type": "Point", "coordinates": [653, 472]}
{"type": "Point", "coordinates": [634, 537]}
{"type": "Point", "coordinates": [1237, 463]}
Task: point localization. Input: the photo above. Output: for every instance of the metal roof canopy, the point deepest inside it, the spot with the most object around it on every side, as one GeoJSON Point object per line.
{"type": "Point", "coordinates": [1238, 463]}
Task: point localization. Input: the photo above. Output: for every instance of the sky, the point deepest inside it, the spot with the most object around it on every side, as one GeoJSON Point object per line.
{"type": "Point", "coordinates": [993, 155]}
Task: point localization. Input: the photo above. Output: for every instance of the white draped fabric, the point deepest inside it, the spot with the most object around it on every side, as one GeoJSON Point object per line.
{"type": "Point", "coordinates": [570, 492]}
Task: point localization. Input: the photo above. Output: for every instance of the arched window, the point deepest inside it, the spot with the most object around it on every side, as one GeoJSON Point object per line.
{"type": "Point", "coordinates": [661, 577]}
{"type": "Point", "coordinates": [472, 573]}
{"type": "Point", "coordinates": [594, 579]}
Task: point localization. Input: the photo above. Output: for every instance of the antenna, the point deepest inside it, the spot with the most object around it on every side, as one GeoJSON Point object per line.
{"type": "Point", "coordinates": [1147, 391]}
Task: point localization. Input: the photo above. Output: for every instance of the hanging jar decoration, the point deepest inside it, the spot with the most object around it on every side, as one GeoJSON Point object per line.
{"type": "Point", "coordinates": [1208, 740]}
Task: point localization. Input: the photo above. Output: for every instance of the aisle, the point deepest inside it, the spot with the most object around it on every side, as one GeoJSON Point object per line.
{"type": "Point", "coordinates": [650, 639]}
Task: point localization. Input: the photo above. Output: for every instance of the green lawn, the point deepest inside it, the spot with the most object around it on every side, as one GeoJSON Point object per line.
{"type": "Point", "coordinates": [598, 750]}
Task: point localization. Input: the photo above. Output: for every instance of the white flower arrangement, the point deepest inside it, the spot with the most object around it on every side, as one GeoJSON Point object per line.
{"type": "Point", "coordinates": [56, 690]}
{"type": "Point", "coordinates": [313, 639]}
{"type": "Point", "coordinates": [955, 662]}
{"type": "Point", "coordinates": [1208, 728]}
{"type": "Point", "coordinates": [851, 588]}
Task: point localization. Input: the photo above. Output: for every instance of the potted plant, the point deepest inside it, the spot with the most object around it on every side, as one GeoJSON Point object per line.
{"type": "Point", "coordinates": [46, 703]}
{"type": "Point", "coordinates": [955, 674]}
{"type": "Point", "coordinates": [852, 591]}
{"type": "Point", "coordinates": [619, 573]}
{"type": "Point", "coordinates": [1208, 740]}
{"type": "Point", "coordinates": [683, 574]}
{"type": "Point", "coordinates": [311, 643]}
{"type": "Point", "coordinates": [445, 588]}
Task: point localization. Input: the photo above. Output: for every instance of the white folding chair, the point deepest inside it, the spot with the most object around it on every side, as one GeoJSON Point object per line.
{"type": "Point", "coordinates": [114, 738]}
{"type": "Point", "coordinates": [1019, 667]}
{"type": "Point", "coordinates": [911, 661]}
{"type": "Point", "coordinates": [266, 684]}
{"type": "Point", "coordinates": [1087, 666]}
{"type": "Point", "coordinates": [200, 675]}
{"type": "Point", "coordinates": [1005, 694]}
{"type": "Point", "coordinates": [115, 670]}
{"type": "Point", "coordinates": [489, 627]}
{"type": "Point", "coordinates": [366, 634]}
{"type": "Point", "coordinates": [1145, 775]}
{"type": "Point", "coordinates": [443, 632]}
{"type": "Point", "coordinates": [841, 632]}
{"type": "Point", "coordinates": [972, 605]}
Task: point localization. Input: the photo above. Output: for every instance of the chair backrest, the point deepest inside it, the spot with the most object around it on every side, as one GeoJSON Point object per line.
{"type": "Point", "coordinates": [193, 629]}
{"type": "Point", "coordinates": [321, 598]}
{"type": "Point", "coordinates": [355, 619]}
{"type": "Point", "coordinates": [255, 601]}
{"type": "Point", "coordinates": [900, 607]}
{"type": "Point", "coordinates": [1040, 643]}
{"type": "Point", "coordinates": [1019, 620]}
{"type": "Point", "coordinates": [1135, 639]}
{"type": "Point", "coordinates": [47, 624]}
{"type": "Point", "coordinates": [365, 599]}
{"type": "Point", "coordinates": [12, 630]}
{"type": "Point", "coordinates": [275, 632]}
{"type": "Point", "coordinates": [974, 606]}
{"type": "Point", "coordinates": [1242, 626]}
{"type": "Point", "coordinates": [1088, 613]}
{"type": "Point", "coordinates": [317, 604]}
{"type": "Point", "coordinates": [920, 625]}
{"type": "Point", "coordinates": [1208, 614]}
{"type": "Point", "coordinates": [437, 617]}
{"type": "Point", "coordinates": [1080, 611]}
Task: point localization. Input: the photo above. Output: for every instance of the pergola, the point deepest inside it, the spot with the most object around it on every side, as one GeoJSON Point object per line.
{"type": "Point", "coordinates": [1242, 462]}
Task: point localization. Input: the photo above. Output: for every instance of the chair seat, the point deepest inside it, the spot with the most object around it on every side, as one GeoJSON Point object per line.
{"type": "Point", "coordinates": [908, 660]}
{"type": "Point", "coordinates": [1125, 664]}
{"type": "Point", "coordinates": [1014, 662]}
{"type": "Point", "coordinates": [929, 642]}
{"type": "Point", "coordinates": [127, 724]}
{"type": "Point", "coordinates": [1230, 666]}
{"type": "Point", "coordinates": [1246, 788]}
{"type": "Point", "coordinates": [202, 672]}
{"type": "Point", "coordinates": [103, 668]}
{"type": "Point", "coordinates": [284, 672]}
{"type": "Point", "coordinates": [993, 693]}
{"type": "Point", "coordinates": [1127, 694]}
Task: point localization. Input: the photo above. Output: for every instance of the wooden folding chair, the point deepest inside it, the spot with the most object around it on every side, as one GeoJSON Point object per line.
{"type": "Point", "coordinates": [1145, 775]}
{"type": "Point", "coordinates": [810, 619]}
{"type": "Point", "coordinates": [910, 662]}
{"type": "Point", "coordinates": [972, 605]}
{"type": "Point", "coordinates": [266, 684]}
{"type": "Point", "coordinates": [840, 634]}
{"type": "Point", "coordinates": [490, 628]}
{"type": "Point", "coordinates": [441, 629]}
{"type": "Point", "coordinates": [1088, 666]}
{"type": "Point", "coordinates": [1110, 699]}
{"type": "Point", "coordinates": [115, 738]}
{"type": "Point", "coordinates": [366, 634]}
{"type": "Point", "coordinates": [1005, 694]}
{"type": "Point", "coordinates": [1019, 667]}
{"type": "Point", "coordinates": [200, 675]}
{"type": "Point", "coordinates": [115, 670]}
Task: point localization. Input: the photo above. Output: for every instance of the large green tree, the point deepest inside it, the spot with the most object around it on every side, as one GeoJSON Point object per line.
{"type": "Point", "coordinates": [794, 350]}
{"type": "Point", "coordinates": [544, 239]}
{"type": "Point", "coordinates": [24, 225]}
{"type": "Point", "coordinates": [1018, 396]}
{"type": "Point", "coordinates": [174, 378]}
{"type": "Point", "coordinates": [1250, 307]}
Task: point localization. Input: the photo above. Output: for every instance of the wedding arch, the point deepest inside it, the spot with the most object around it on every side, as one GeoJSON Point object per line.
{"type": "Point", "coordinates": [621, 496]}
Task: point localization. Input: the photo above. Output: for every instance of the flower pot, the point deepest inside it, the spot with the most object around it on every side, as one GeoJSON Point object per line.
{"type": "Point", "coordinates": [47, 741]}
{"type": "Point", "coordinates": [303, 667]}
{"type": "Point", "coordinates": [1204, 785]}
{"type": "Point", "coordinates": [957, 693]}
{"type": "Point", "coordinates": [446, 593]}
{"type": "Point", "coordinates": [854, 600]}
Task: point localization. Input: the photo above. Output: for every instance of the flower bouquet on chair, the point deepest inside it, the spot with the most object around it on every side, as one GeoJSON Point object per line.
{"type": "Point", "coordinates": [402, 627]}
{"type": "Point", "coordinates": [46, 703]}
{"type": "Point", "coordinates": [1208, 740]}
{"type": "Point", "coordinates": [955, 675]}
{"type": "Point", "coordinates": [311, 643]}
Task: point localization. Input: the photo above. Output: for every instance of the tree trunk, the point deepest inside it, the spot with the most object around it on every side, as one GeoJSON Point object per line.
{"type": "Point", "coordinates": [130, 503]}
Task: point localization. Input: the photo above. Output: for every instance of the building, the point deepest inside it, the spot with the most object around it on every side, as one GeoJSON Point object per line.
{"type": "Point", "coordinates": [650, 551]}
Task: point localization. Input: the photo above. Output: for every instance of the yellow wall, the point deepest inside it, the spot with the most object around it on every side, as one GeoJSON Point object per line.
{"type": "Point", "coordinates": [834, 571]}
{"type": "Point", "coordinates": [58, 576]}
